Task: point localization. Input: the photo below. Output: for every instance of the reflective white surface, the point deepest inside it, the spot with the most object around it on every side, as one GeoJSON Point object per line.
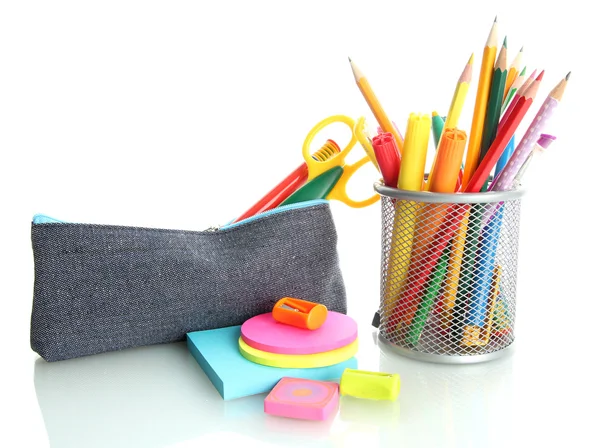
{"type": "Point", "coordinates": [181, 114]}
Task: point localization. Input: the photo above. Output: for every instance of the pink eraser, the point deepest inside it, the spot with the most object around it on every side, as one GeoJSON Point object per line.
{"type": "Point", "coordinates": [303, 399]}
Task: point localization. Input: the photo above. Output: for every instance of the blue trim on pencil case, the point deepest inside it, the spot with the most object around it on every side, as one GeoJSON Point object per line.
{"type": "Point", "coordinates": [484, 269]}
{"type": "Point", "coordinates": [44, 219]}
{"type": "Point", "coordinates": [273, 211]}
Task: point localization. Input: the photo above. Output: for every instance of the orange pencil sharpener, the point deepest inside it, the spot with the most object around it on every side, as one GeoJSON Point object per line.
{"type": "Point", "coordinates": [299, 313]}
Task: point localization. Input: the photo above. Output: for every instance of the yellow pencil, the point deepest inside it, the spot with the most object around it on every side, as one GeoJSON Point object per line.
{"type": "Point", "coordinates": [375, 105]}
{"type": "Point", "coordinates": [483, 91]}
{"type": "Point", "coordinates": [513, 71]}
{"type": "Point", "coordinates": [412, 171]}
{"type": "Point", "coordinates": [460, 93]}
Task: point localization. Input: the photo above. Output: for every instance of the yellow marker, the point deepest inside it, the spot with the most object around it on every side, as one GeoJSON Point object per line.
{"type": "Point", "coordinates": [412, 171]}
{"type": "Point", "coordinates": [375, 106]}
{"type": "Point", "coordinates": [481, 100]}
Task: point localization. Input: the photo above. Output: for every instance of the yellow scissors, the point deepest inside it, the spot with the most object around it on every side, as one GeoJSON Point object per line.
{"type": "Point", "coordinates": [317, 168]}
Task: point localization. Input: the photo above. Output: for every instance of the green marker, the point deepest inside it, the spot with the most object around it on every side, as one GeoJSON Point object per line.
{"type": "Point", "coordinates": [437, 126]}
{"type": "Point", "coordinates": [433, 288]}
{"type": "Point", "coordinates": [317, 188]}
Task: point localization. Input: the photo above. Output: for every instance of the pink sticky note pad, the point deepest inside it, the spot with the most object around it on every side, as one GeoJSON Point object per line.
{"type": "Point", "coordinates": [264, 333]}
{"type": "Point", "coordinates": [303, 399]}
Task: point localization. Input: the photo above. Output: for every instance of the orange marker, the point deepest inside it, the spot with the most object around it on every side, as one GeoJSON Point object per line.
{"type": "Point", "coordinates": [300, 313]}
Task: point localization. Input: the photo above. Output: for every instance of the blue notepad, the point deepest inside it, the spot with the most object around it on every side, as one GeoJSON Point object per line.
{"type": "Point", "coordinates": [218, 354]}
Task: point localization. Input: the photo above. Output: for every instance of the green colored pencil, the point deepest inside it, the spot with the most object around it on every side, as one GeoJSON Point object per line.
{"type": "Point", "coordinates": [494, 105]}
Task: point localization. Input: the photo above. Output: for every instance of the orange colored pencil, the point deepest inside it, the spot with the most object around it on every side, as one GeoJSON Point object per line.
{"type": "Point", "coordinates": [481, 100]}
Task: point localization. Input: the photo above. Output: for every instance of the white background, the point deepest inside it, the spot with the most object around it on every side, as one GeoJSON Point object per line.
{"type": "Point", "coordinates": [181, 114]}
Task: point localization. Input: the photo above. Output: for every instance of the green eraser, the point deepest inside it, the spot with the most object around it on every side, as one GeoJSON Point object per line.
{"type": "Point", "coordinates": [370, 385]}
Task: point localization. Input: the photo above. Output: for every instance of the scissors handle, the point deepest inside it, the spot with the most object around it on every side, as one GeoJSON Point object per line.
{"type": "Point", "coordinates": [317, 167]}
{"type": "Point", "coordinates": [339, 191]}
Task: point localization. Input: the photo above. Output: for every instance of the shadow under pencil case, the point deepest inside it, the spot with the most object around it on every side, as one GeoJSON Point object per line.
{"type": "Point", "coordinates": [100, 288]}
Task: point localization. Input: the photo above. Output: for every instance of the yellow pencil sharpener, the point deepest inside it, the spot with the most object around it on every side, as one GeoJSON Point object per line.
{"type": "Point", "coordinates": [370, 385]}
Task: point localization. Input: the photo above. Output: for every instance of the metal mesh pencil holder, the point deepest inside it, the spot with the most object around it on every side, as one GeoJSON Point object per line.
{"type": "Point", "coordinates": [448, 273]}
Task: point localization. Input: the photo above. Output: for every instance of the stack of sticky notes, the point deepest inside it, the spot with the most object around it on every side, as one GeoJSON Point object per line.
{"type": "Point", "coordinates": [253, 358]}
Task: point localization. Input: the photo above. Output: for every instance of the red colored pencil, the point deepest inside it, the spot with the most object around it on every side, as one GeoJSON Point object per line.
{"type": "Point", "coordinates": [504, 135]}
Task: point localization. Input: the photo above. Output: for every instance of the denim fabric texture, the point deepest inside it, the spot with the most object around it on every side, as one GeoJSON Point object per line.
{"type": "Point", "coordinates": [100, 288]}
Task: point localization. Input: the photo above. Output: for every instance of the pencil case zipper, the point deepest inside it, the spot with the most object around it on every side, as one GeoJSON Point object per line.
{"type": "Point", "coordinates": [44, 219]}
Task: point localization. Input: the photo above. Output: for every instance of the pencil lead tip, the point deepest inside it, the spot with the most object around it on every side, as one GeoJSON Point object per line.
{"type": "Point", "coordinates": [504, 44]}
{"type": "Point", "coordinates": [540, 76]}
{"type": "Point", "coordinates": [495, 19]}
{"type": "Point", "coordinates": [349, 60]}
{"type": "Point", "coordinates": [568, 76]}
{"type": "Point", "coordinates": [521, 50]}
{"type": "Point", "coordinates": [471, 58]}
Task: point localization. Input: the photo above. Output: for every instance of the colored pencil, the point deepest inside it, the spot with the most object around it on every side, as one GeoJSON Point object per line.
{"type": "Point", "coordinates": [375, 106]}
{"type": "Point", "coordinates": [460, 93]}
{"type": "Point", "coordinates": [523, 104]}
{"type": "Point", "coordinates": [494, 105]}
{"type": "Point", "coordinates": [516, 85]}
{"type": "Point", "coordinates": [504, 180]}
{"type": "Point", "coordinates": [513, 71]}
{"type": "Point", "coordinates": [481, 100]}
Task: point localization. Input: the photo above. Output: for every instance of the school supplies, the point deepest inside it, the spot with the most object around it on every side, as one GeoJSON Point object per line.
{"type": "Point", "coordinates": [375, 106]}
{"type": "Point", "coordinates": [412, 168]}
{"type": "Point", "coordinates": [291, 183]}
{"type": "Point", "coordinates": [514, 86]}
{"type": "Point", "coordinates": [543, 143]}
{"type": "Point", "coordinates": [494, 104]}
{"type": "Point", "coordinates": [310, 361]}
{"type": "Point", "coordinates": [437, 125]}
{"type": "Point", "coordinates": [513, 71]}
{"type": "Point", "coordinates": [299, 313]}
{"type": "Point", "coordinates": [370, 385]}
{"type": "Point", "coordinates": [262, 332]}
{"type": "Point", "coordinates": [460, 94]}
{"type": "Point", "coordinates": [317, 188]}
{"type": "Point", "coordinates": [447, 162]}
{"type": "Point", "coordinates": [217, 352]}
{"type": "Point", "coordinates": [481, 100]}
{"type": "Point", "coordinates": [318, 167]}
{"type": "Point", "coordinates": [303, 399]}
{"type": "Point", "coordinates": [388, 157]}
{"type": "Point", "coordinates": [505, 179]}
{"type": "Point", "coordinates": [522, 106]}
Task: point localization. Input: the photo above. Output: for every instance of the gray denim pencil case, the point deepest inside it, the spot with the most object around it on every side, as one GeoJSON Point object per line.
{"type": "Point", "coordinates": [100, 288]}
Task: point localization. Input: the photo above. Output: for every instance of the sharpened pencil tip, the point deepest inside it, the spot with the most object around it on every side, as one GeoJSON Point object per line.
{"type": "Point", "coordinates": [568, 76]}
{"type": "Point", "coordinates": [504, 44]}
{"type": "Point", "coordinates": [495, 19]}
{"type": "Point", "coordinates": [521, 50]}
{"type": "Point", "coordinates": [349, 60]}
{"type": "Point", "coordinates": [540, 76]}
{"type": "Point", "coordinates": [471, 59]}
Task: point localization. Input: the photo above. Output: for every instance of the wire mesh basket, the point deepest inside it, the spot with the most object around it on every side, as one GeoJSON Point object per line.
{"type": "Point", "coordinates": [448, 273]}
